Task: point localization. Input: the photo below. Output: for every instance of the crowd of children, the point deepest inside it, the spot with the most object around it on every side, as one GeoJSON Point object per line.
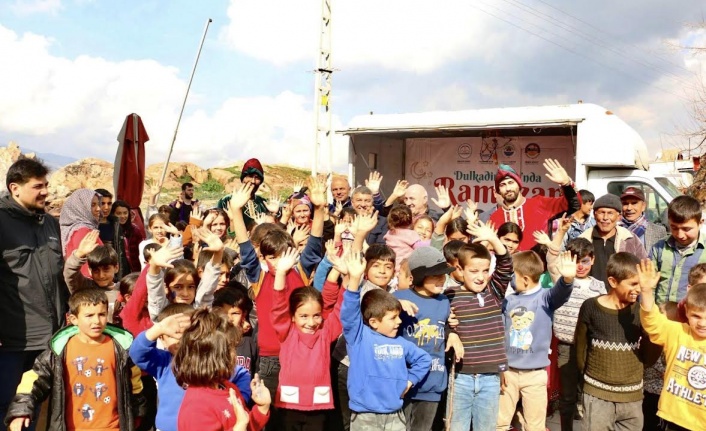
{"type": "Point", "coordinates": [328, 323]}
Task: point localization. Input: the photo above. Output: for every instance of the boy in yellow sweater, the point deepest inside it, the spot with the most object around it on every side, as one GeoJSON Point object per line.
{"type": "Point", "coordinates": [683, 397]}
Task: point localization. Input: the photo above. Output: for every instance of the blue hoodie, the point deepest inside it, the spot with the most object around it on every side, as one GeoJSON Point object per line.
{"type": "Point", "coordinates": [380, 366]}
{"type": "Point", "coordinates": [158, 364]}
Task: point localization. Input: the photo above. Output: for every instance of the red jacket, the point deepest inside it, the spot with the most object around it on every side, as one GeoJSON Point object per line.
{"type": "Point", "coordinates": [267, 340]}
{"type": "Point", "coordinates": [135, 316]}
{"type": "Point", "coordinates": [305, 379]}
{"type": "Point", "coordinates": [206, 409]}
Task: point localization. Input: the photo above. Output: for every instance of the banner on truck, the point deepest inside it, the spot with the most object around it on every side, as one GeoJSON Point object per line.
{"type": "Point", "coordinates": [467, 166]}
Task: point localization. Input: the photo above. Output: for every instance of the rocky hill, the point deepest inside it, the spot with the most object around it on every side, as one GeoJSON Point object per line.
{"type": "Point", "coordinates": [210, 183]}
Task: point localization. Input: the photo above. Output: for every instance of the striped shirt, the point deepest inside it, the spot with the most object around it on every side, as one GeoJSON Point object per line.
{"type": "Point", "coordinates": [480, 327]}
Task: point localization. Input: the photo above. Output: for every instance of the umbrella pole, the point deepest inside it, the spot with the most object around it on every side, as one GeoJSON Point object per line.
{"type": "Point", "coordinates": [188, 87]}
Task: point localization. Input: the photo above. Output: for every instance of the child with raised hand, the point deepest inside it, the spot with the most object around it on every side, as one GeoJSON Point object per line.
{"type": "Point", "coordinates": [157, 362]}
{"type": "Point", "coordinates": [400, 236]}
{"type": "Point", "coordinates": [611, 350]}
{"type": "Point", "coordinates": [204, 364]}
{"type": "Point", "coordinates": [383, 366]}
{"type": "Point", "coordinates": [160, 227]}
{"type": "Point", "coordinates": [684, 391]}
{"type": "Point", "coordinates": [181, 277]}
{"type": "Point", "coordinates": [305, 333]}
{"type": "Point", "coordinates": [478, 305]}
{"type": "Point", "coordinates": [528, 314]}
{"type": "Point", "coordinates": [441, 236]}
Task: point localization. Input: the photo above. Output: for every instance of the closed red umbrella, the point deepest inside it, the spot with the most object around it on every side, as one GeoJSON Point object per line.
{"type": "Point", "coordinates": [129, 174]}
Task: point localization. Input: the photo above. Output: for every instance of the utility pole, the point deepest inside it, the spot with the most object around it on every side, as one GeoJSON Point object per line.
{"type": "Point", "coordinates": [322, 91]}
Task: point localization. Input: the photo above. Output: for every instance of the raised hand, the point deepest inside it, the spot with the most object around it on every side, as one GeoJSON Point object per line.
{"type": "Point", "coordinates": [444, 199]}
{"type": "Point", "coordinates": [339, 263]}
{"type": "Point", "coordinates": [483, 232]}
{"type": "Point", "coordinates": [297, 187]}
{"type": "Point", "coordinates": [400, 188]}
{"type": "Point", "coordinates": [210, 218]}
{"type": "Point", "coordinates": [565, 222]}
{"type": "Point", "coordinates": [649, 276]}
{"type": "Point", "coordinates": [471, 212]}
{"type": "Point", "coordinates": [19, 423]}
{"type": "Point", "coordinates": [340, 227]}
{"type": "Point", "coordinates": [566, 266]}
{"type": "Point", "coordinates": [409, 307]}
{"type": "Point", "coordinates": [317, 192]}
{"type": "Point", "coordinates": [338, 209]}
{"type": "Point", "coordinates": [260, 218]}
{"type": "Point", "coordinates": [331, 249]}
{"type": "Point", "coordinates": [169, 228]}
{"type": "Point", "coordinates": [213, 242]}
{"type": "Point", "coordinates": [273, 204]}
{"type": "Point", "coordinates": [174, 325]}
{"type": "Point", "coordinates": [162, 257]}
{"type": "Point", "coordinates": [301, 234]}
{"type": "Point", "coordinates": [556, 173]}
{"type": "Point", "coordinates": [541, 237]}
{"type": "Point", "coordinates": [373, 182]}
{"type": "Point", "coordinates": [364, 223]}
{"type": "Point", "coordinates": [87, 244]}
{"type": "Point", "coordinates": [287, 260]}
{"type": "Point", "coordinates": [355, 264]}
{"type": "Point", "coordinates": [260, 394]}
{"type": "Point", "coordinates": [241, 196]}
{"type": "Point", "coordinates": [196, 213]}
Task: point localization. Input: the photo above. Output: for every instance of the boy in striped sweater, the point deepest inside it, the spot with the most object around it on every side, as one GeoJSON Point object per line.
{"type": "Point", "coordinates": [477, 304]}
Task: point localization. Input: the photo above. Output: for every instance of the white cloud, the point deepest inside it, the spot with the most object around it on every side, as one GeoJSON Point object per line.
{"type": "Point", "coordinates": [416, 36]}
{"type": "Point", "coordinates": [27, 7]}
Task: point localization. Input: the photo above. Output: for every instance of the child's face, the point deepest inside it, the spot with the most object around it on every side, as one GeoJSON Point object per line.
{"type": "Point", "coordinates": [697, 321]}
{"type": "Point", "coordinates": [457, 235]}
{"type": "Point", "coordinates": [431, 285]}
{"type": "Point", "coordinates": [626, 290]}
{"type": "Point", "coordinates": [183, 288]}
{"type": "Point", "coordinates": [157, 230]}
{"type": "Point", "coordinates": [587, 207]}
{"type": "Point", "coordinates": [170, 343]}
{"type": "Point", "coordinates": [91, 321]}
{"type": "Point", "coordinates": [404, 279]}
{"type": "Point", "coordinates": [476, 274]}
{"type": "Point", "coordinates": [347, 219]}
{"type": "Point", "coordinates": [685, 233]}
{"type": "Point", "coordinates": [381, 272]}
{"type": "Point", "coordinates": [219, 226]}
{"type": "Point", "coordinates": [123, 214]}
{"type": "Point", "coordinates": [103, 275]}
{"type": "Point", "coordinates": [522, 282]}
{"type": "Point", "coordinates": [511, 242]}
{"type": "Point", "coordinates": [308, 317]}
{"type": "Point", "coordinates": [424, 228]}
{"type": "Point", "coordinates": [235, 315]}
{"type": "Point", "coordinates": [458, 272]}
{"type": "Point", "coordinates": [224, 277]}
{"type": "Point", "coordinates": [389, 324]}
{"type": "Point", "coordinates": [583, 266]}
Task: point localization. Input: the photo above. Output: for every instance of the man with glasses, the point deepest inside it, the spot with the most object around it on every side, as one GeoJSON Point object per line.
{"type": "Point", "coordinates": [608, 238]}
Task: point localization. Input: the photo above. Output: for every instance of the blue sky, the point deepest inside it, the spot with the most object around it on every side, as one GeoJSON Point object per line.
{"type": "Point", "coordinates": [79, 66]}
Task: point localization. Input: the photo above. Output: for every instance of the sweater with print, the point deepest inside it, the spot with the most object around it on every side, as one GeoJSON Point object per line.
{"type": "Point", "coordinates": [528, 324]}
{"type": "Point", "coordinates": [610, 351]}
{"type": "Point", "coordinates": [480, 326]}
{"type": "Point", "coordinates": [427, 330]}
{"type": "Point", "coordinates": [684, 393]}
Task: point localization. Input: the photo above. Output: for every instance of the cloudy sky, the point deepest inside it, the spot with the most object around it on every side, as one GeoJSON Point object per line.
{"type": "Point", "coordinates": [73, 69]}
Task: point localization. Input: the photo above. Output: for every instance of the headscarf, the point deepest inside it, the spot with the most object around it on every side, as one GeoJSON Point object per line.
{"type": "Point", "coordinates": [76, 213]}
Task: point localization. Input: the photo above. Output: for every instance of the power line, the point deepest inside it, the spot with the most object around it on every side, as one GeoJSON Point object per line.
{"type": "Point", "coordinates": [573, 51]}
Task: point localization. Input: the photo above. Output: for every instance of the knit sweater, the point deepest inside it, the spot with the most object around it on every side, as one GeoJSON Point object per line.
{"type": "Point", "coordinates": [480, 326]}
{"type": "Point", "coordinates": [610, 351]}
{"type": "Point", "coordinates": [684, 393]}
{"type": "Point", "coordinates": [206, 409]}
{"type": "Point", "coordinates": [566, 316]}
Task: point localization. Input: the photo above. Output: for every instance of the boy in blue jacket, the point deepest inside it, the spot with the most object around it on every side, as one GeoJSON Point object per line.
{"type": "Point", "coordinates": [427, 328]}
{"type": "Point", "coordinates": [528, 316]}
{"type": "Point", "coordinates": [383, 366]}
{"type": "Point", "coordinates": [172, 321]}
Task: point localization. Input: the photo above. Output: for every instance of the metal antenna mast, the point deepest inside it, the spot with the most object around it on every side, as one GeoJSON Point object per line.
{"type": "Point", "coordinates": [322, 91]}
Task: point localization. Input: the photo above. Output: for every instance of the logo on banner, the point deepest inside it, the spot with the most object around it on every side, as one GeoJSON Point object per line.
{"type": "Point", "coordinates": [509, 150]}
{"type": "Point", "coordinates": [532, 151]}
{"type": "Point", "coordinates": [464, 151]}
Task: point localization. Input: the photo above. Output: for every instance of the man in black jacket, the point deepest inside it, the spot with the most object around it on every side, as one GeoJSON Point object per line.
{"type": "Point", "coordinates": [33, 293]}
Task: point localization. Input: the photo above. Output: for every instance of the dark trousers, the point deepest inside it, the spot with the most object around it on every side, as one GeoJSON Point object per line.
{"type": "Point", "coordinates": [343, 396]}
{"type": "Point", "coordinates": [298, 420]}
{"type": "Point", "coordinates": [570, 390]}
{"type": "Point", "coordinates": [649, 412]}
{"type": "Point", "coordinates": [269, 373]}
{"type": "Point", "coordinates": [149, 390]}
{"type": "Point", "coordinates": [668, 426]}
{"type": "Point", "coordinates": [12, 366]}
{"type": "Point", "coordinates": [419, 415]}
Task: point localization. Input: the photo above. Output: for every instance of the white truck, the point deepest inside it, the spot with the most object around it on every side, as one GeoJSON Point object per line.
{"type": "Point", "coordinates": [462, 149]}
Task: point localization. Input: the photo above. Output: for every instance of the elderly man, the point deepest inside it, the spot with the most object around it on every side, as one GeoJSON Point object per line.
{"type": "Point", "coordinates": [608, 238]}
{"type": "Point", "coordinates": [362, 203]}
{"type": "Point", "coordinates": [634, 220]}
{"type": "Point", "coordinates": [33, 294]}
{"type": "Point", "coordinates": [340, 190]}
{"type": "Point", "coordinates": [417, 199]}
{"type": "Point", "coordinates": [532, 214]}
